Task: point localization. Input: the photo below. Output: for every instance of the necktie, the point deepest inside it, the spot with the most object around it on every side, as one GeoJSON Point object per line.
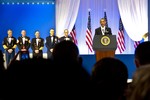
{"type": "Point", "coordinates": [103, 32]}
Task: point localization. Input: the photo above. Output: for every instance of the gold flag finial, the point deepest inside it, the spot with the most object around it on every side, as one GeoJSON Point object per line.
{"type": "Point", "coordinates": [145, 36]}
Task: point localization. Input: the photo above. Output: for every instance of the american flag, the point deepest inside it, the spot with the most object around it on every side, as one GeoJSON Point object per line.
{"type": "Point", "coordinates": [120, 38]}
{"type": "Point", "coordinates": [136, 43]}
{"type": "Point", "coordinates": [73, 35]}
{"type": "Point", "coordinates": [89, 34]}
{"type": "Point", "coordinates": [105, 17]}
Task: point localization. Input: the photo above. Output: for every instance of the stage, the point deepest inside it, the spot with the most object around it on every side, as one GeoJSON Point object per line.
{"type": "Point", "coordinates": [128, 59]}
{"type": "Point", "coordinates": [90, 60]}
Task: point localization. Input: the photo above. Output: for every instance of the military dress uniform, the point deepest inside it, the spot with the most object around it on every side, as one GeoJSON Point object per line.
{"type": "Point", "coordinates": [23, 43]}
{"type": "Point", "coordinates": [9, 43]}
{"type": "Point", "coordinates": [37, 44]}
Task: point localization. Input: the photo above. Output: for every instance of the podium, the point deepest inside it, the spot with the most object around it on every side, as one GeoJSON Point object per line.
{"type": "Point", "coordinates": [104, 46]}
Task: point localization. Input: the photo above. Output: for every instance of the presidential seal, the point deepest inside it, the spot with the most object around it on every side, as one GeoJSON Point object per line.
{"type": "Point", "coordinates": [105, 40]}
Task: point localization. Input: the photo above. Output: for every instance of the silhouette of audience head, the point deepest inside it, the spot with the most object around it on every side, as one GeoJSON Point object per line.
{"type": "Point", "coordinates": [69, 70]}
{"type": "Point", "coordinates": [2, 70]}
{"type": "Point", "coordinates": [1, 58]}
{"type": "Point", "coordinates": [65, 52]}
{"type": "Point", "coordinates": [142, 54]}
{"type": "Point", "coordinates": [109, 78]}
{"type": "Point", "coordinates": [29, 78]}
{"type": "Point", "coordinates": [140, 87]}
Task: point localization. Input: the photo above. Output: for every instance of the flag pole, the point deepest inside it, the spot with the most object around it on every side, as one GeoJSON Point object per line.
{"type": "Point", "coordinates": [89, 10]}
{"type": "Point", "coordinates": [89, 41]}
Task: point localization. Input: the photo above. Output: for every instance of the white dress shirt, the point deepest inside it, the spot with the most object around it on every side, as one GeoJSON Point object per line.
{"type": "Point", "coordinates": [103, 30]}
{"type": "Point", "coordinates": [37, 42]}
{"type": "Point", "coordinates": [23, 40]}
{"type": "Point", "coordinates": [52, 38]}
{"type": "Point", "coordinates": [9, 40]}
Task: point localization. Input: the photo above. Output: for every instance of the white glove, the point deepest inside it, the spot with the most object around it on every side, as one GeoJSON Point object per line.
{"type": "Point", "coordinates": [10, 50]}
{"type": "Point", "coordinates": [36, 51]}
{"type": "Point", "coordinates": [51, 50]}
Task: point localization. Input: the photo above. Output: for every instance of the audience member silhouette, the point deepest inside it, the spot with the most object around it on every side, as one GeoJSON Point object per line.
{"type": "Point", "coordinates": [109, 79]}
{"type": "Point", "coordinates": [66, 52]}
{"type": "Point", "coordinates": [2, 74]}
{"type": "Point", "coordinates": [142, 54]}
{"type": "Point", "coordinates": [140, 88]}
{"type": "Point", "coordinates": [141, 58]}
{"type": "Point", "coordinates": [1, 61]}
{"type": "Point", "coordinates": [69, 68]}
{"type": "Point", "coordinates": [29, 78]}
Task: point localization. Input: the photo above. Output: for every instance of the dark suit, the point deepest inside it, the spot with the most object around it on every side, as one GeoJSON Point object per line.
{"type": "Point", "coordinates": [26, 46]}
{"type": "Point", "coordinates": [69, 38]}
{"type": "Point", "coordinates": [12, 45]}
{"type": "Point", "coordinates": [50, 43]}
{"type": "Point", "coordinates": [39, 47]}
{"type": "Point", "coordinates": [98, 31]}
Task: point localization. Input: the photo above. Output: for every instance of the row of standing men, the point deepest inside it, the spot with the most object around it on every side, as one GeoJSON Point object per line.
{"type": "Point", "coordinates": [23, 43]}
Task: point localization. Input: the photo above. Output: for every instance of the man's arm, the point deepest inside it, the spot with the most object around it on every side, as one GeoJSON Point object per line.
{"type": "Point", "coordinates": [18, 43]}
{"type": "Point", "coordinates": [56, 39]}
{"type": "Point", "coordinates": [4, 44]}
{"type": "Point", "coordinates": [47, 43]}
{"type": "Point", "coordinates": [28, 44]}
{"type": "Point", "coordinates": [71, 39]}
{"type": "Point", "coordinates": [96, 33]}
{"type": "Point", "coordinates": [15, 44]}
{"type": "Point", "coordinates": [110, 31]}
{"type": "Point", "coordinates": [61, 38]}
{"type": "Point", "coordinates": [42, 44]}
{"type": "Point", "coordinates": [32, 44]}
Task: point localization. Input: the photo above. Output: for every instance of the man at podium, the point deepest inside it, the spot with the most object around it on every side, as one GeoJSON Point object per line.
{"type": "Point", "coordinates": [104, 43]}
{"type": "Point", "coordinates": [103, 29]}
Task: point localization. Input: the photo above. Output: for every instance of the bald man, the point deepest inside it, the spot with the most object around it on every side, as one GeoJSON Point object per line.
{"type": "Point", "coordinates": [23, 44]}
{"type": "Point", "coordinates": [66, 36]}
{"type": "Point", "coordinates": [9, 44]}
{"type": "Point", "coordinates": [37, 45]}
